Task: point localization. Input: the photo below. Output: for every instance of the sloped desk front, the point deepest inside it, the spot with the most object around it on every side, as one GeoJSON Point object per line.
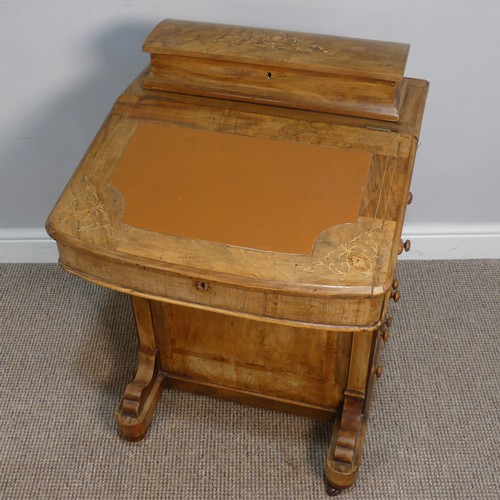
{"type": "Point", "coordinates": [258, 244]}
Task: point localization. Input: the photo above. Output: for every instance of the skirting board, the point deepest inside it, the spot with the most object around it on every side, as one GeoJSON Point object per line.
{"type": "Point", "coordinates": [30, 245]}
{"type": "Point", "coordinates": [428, 242]}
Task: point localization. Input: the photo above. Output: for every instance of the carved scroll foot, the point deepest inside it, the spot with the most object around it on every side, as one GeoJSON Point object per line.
{"type": "Point", "coordinates": [346, 446]}
{"type": "Point", "coordinates": [135, 412]}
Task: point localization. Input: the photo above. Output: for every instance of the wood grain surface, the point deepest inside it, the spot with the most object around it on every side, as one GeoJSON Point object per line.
{"type": "Point", "coordinates": [299, 70]}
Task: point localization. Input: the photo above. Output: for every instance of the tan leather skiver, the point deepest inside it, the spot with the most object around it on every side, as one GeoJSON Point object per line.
{"type": "Point", "coordinates": [236, 190]}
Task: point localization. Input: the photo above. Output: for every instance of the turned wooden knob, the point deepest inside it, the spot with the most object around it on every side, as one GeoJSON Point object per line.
{"type": "Point", "coordinates": [395, 284]}
{"type": "Point", "coordinates": [410, 198]}
{"type": "Point", "coordinates": [388, 321]}
{"type": "Point", "coordinates": [396, 295]}
{"type": "Point", "coordinates": [404, 246]}
{"type": "Point", "coordinates": [378, 371]}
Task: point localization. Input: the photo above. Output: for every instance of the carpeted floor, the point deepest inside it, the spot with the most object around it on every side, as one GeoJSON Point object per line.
{"type": "Point", "coordinates": [67, 349]}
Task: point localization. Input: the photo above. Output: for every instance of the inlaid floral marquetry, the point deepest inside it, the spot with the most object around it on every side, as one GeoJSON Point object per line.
{"type": "Point", "coordinates": [278, 41]}
{"type": "Point", "coordinates": [86, 209]}
{"type": "Point", "coordinates": [352, 254]}
{"type": "Point", "coordinates": [361, 257]}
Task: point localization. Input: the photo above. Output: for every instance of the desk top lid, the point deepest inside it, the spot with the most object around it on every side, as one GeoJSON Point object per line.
{"type": "Point", "coordinates": [332, 74]}
{"type": "Point", "coordinates": [237, 196]}
{"type": "Point", "coordinates": [325, 53]}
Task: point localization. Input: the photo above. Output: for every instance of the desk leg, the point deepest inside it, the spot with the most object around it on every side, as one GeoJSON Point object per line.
{"type": "Point", "coordinates": [346, 446]}
{"type": "Point", "coordinates": [135, 412]}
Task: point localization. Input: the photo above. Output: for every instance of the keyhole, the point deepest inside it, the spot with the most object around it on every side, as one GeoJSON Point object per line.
{"type": "Point", "coordinates": [269, 75]}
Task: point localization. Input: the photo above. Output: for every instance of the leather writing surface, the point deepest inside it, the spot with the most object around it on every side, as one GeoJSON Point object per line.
{"type": "Point", "coordinates": [237, 190]}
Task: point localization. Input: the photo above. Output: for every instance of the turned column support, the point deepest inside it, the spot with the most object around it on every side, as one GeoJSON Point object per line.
{"type": "Point", "coordinates": [133, 416]}
{"type": "Point", "coordinates": [346, 445]}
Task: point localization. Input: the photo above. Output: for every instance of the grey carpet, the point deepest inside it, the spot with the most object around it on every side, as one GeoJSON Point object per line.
{"type": "Point", "coordinates": [68, 349]}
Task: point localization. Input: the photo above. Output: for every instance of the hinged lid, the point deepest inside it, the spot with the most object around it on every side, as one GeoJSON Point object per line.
{"type": "Point", "coordinates": [299, 70]}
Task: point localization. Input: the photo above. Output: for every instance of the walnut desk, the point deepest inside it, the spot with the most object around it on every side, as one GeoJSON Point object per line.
{"type": "Point", "coordinates": [248, 192]}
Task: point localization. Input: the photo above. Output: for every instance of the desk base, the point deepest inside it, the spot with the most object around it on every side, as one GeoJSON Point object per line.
{"type": "Point", "coordinates": [346, 365]}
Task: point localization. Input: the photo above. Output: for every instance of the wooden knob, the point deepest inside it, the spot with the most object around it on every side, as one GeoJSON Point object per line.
{"type": "Point", "coordinates": [396, 295]}
{"type": "Point", "coordinates": [395, 284]}
{"type": "Point", "coordinates": [378, 371]}
{"type": "Point", "coordinates": [404, 246]}
{"type": "Point", "coordinates": [410, 198]}
{"type": "Point", "coordinates": [388, 321]}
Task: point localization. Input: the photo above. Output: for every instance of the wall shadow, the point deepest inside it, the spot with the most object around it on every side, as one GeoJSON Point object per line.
{"type": "Point", "coordinates": [46, 145]}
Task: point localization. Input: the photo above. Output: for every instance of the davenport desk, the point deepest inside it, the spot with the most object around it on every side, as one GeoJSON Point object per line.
{"type": "Point", "coordinates": [248, 191]}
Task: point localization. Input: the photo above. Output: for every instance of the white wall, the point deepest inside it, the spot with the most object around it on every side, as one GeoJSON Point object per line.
{"type": "Point", "coordinates": [64, 62]}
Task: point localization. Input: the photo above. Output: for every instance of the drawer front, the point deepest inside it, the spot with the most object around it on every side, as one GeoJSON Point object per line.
{"type": "Point", "coordinates": [352, 311]}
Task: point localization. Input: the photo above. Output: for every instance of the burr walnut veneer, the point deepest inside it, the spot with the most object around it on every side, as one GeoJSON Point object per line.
{"type": "Point", "coordinates": [248, 192]}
